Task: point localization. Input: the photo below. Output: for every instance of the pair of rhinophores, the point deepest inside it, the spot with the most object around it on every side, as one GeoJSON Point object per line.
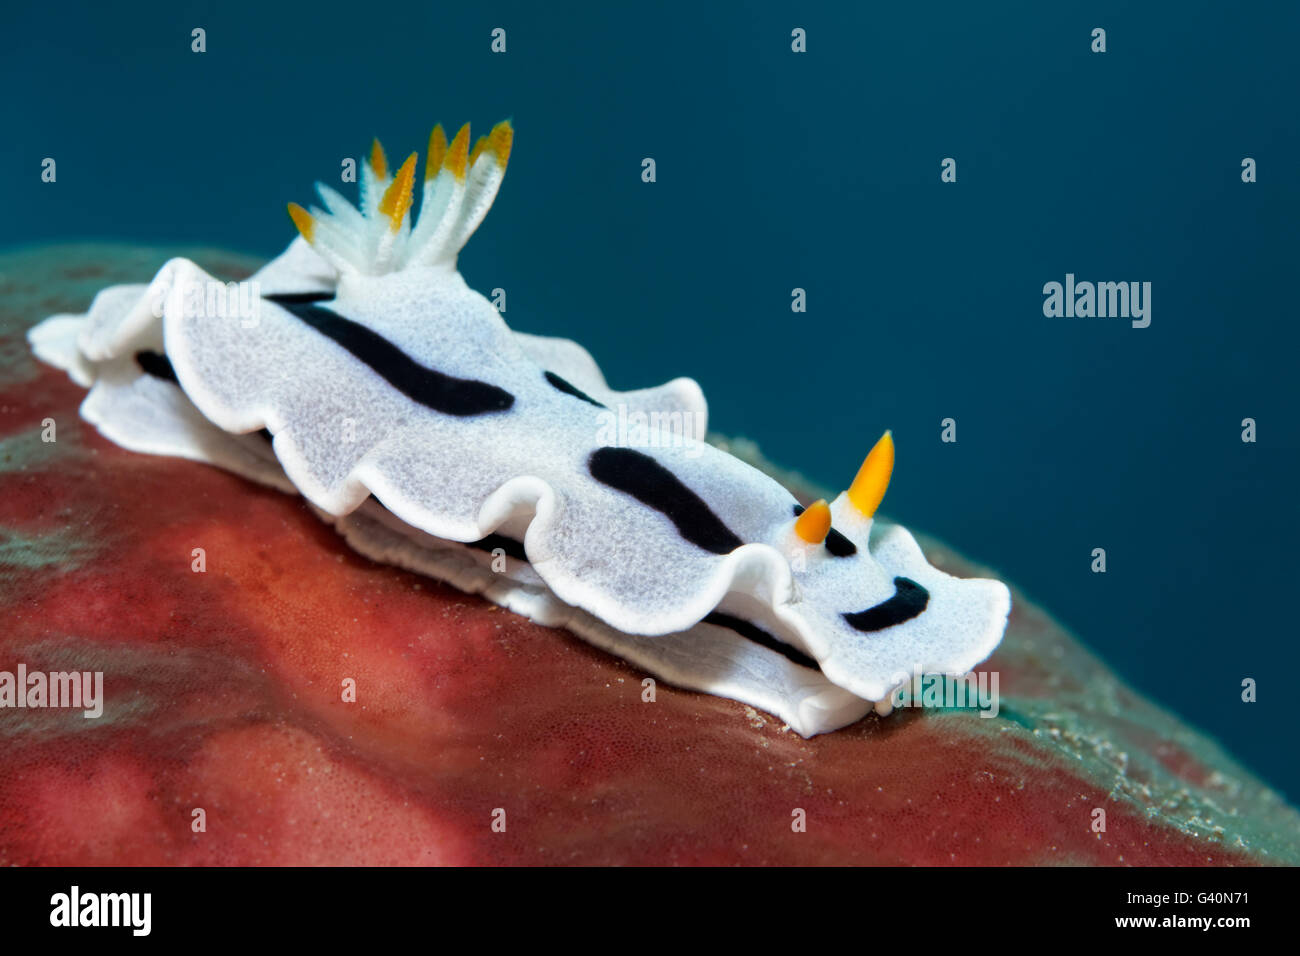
{"type": "Point", "coordinates": [393, 397]}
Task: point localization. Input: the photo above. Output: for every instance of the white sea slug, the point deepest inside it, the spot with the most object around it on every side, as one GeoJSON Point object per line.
{"type": "Point", "coordinates": [370, 378]}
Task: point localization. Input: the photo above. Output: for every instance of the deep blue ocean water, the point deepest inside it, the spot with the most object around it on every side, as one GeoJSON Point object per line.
{"type": "Point", "coordinates": [821, 171]}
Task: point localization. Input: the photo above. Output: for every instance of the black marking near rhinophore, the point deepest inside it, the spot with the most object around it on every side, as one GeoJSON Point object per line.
{"type": "Point", "coordinates": [433, 389]}
{"type": "Point", "coordinates": [753, 632]}
{"type": "Point", "coordinates": [909, 600]}
{"type": "Point", "coordinates": [650, 483]}
{"type": "Point", "coordinates": [509, 545]}
{"type": "Point", "coordinates": [569, 388]}
{"type": "Point", "coordinates": [156, 364]}
{"type": "Point", "coordinates": [838, 545]}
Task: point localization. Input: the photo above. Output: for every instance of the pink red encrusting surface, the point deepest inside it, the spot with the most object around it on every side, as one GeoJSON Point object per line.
{"type": "Point", "coordinates": [224, 694]}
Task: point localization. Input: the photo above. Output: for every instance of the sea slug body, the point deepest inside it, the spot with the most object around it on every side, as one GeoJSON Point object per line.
{"type": "Point", "coordinates": [369, 378]}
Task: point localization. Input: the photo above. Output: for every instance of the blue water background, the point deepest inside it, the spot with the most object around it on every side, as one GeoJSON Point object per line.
{"type": "Point", "coordinates": [818, 171]}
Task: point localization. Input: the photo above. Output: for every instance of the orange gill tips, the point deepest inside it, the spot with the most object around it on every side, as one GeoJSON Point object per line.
{"type": "Point", "coordinates": [455, 157]}
{"type": "Point", "coordinates": [397, 197]}
{"type": "Point", "coordinates": [378, 161]}
{"type": "Point", "coordinates": [304, 220]}
{"type": "Point", "coordinates": [457, 153]}
{"type": "Point", "coordinates": [437, 152]}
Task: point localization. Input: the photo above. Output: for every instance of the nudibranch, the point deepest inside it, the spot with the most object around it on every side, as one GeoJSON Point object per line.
{"type": "Point", "coordinates": [363, 373]}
